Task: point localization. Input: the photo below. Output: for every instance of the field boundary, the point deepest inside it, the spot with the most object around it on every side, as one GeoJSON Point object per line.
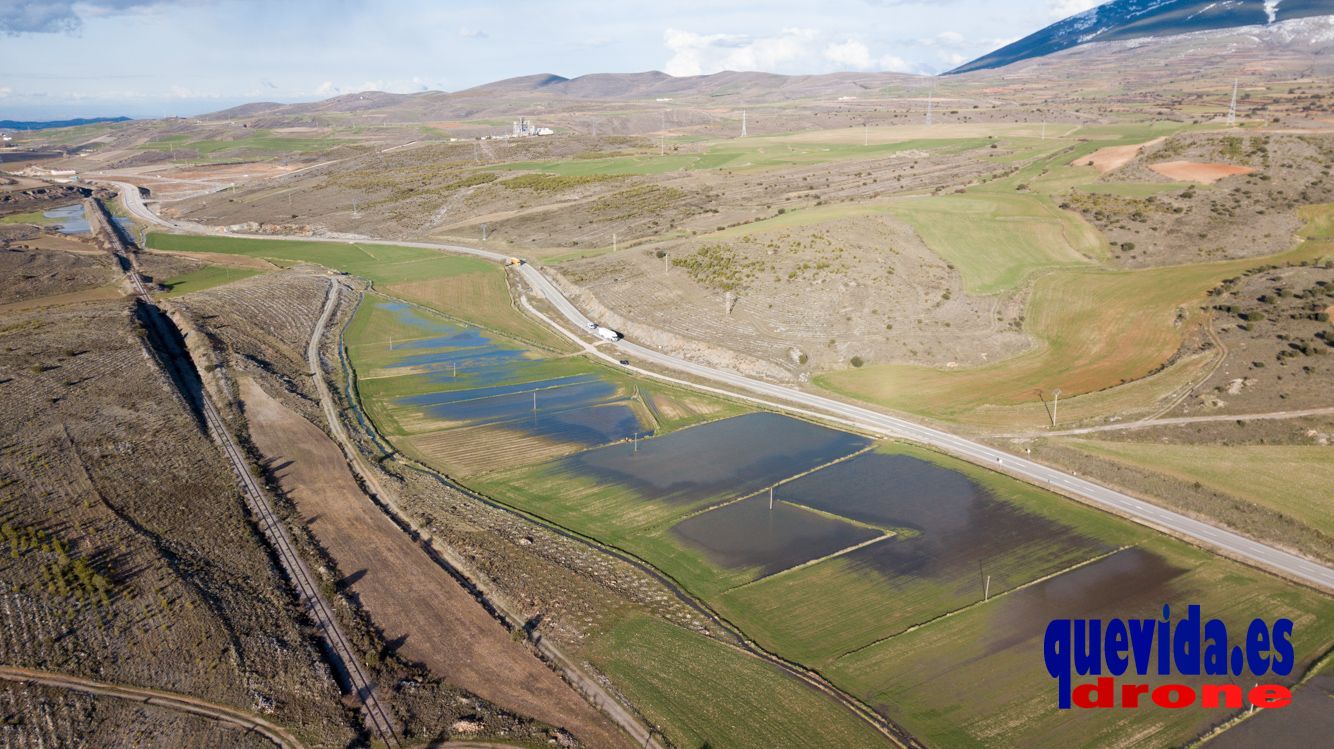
{"type": "Point", "coordinates": [975, 604]}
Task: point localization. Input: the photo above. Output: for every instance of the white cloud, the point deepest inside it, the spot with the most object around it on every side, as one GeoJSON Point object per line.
{"type": "Point", "coordinates": [946, 39]}
{"type": "Point", "coordinates": [325, 88]}
{"type": "Point", "coordinates": [793, 50]}
{"type": "Point", "coordinates": [5, 91]}
{"type": "Point", "coordinates": [1066, 8]}
{"type": "Point", "coordinates": [468, 33]}
{"type": "Point", "coordinates": [850, 54]}
{"type": "Point", "coordinates": [895, 64]}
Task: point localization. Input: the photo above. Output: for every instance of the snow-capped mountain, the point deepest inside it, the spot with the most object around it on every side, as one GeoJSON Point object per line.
{"type": "Point", "coordinates": [1137, 19]}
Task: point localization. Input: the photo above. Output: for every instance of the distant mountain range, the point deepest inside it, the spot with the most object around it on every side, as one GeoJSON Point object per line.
{"type": "Point", "coordinates": [1137, 19]}
{"type": "Point", "coordinates": [47, 124]}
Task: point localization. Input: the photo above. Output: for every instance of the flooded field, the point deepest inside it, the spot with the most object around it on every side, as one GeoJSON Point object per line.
{"type": "Point", "coordinates": [961, 526]}
{"type": "Point", "coordinates": [474, 401]}
{"type": "Point", "coordinates": [996, 648]}
{"type": "Point", "coordinates": [70, 219]}
{"type": "Point", "coordinates": [748, 534]}
{"type": "Point", "coordinates": [920, 583]}
{"type": "Point", "coordinates": [728, 458]}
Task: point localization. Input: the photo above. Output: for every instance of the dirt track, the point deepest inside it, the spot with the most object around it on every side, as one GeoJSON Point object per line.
{"type": "Point", "coordinates": [1113, 157]}
{"type": "Point", "coordinates": [170, 700]}
{"type": "Point", "coordinates": [416, 603]}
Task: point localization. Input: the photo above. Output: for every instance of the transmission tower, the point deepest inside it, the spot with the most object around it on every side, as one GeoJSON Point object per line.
{"type": "Point", "coordinates": [1232, 108]}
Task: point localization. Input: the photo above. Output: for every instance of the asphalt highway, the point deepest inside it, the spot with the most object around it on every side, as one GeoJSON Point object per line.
{"type": "Point", "coordinates": [1202, 533]}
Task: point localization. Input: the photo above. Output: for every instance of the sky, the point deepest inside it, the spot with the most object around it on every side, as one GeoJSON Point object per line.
{"type": "Point", "coordinates": [149, 58]}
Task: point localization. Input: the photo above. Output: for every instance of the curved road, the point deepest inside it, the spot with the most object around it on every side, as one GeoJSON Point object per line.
{"type": "Point", "coordinates": [170, 700]}
{"type": "Point", "coordinates": [1205, 534]}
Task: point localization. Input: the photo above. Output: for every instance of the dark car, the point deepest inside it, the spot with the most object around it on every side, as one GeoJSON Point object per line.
{"type": "Point", "coordinates": [625, 362]}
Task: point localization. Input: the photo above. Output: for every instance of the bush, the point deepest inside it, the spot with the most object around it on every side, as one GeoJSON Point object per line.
{"type": "Point", "coordinates": [856, 361]}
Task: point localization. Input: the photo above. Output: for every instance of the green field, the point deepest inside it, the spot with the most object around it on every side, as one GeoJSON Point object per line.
{"type": "Point", "coordinates": [206, 278]}
{"type": "Point", "coordinates": [464, 287]}
{"type": "Point", "coordinates": [998, 240]}
{"type": "Point", "coordinates": [1292, 479]}
{"type": "Point", "coordinates": [705, 693]}
{"type": "Point", "coordinates": [31, 217]}
{"type": "Point", "coordinates": [260, 140]}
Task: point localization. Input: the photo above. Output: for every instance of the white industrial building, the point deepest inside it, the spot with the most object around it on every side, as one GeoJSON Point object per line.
{"type": "Point", "coordinates": [523, 129]}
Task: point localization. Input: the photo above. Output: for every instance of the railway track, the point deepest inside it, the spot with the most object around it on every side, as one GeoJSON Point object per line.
{"type": "Point", "coordinates": [341, 653]}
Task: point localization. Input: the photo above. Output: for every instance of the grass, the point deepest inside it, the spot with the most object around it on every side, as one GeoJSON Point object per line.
{"type": "Point", "coordinates": [1292, 479]}
{"type": "Point", "coordinates": [704, 693]}
{"type": "Point", "coordinates": [977, 679]}
{"type": "Point", "coordinates": [31, 217]}
{"type": "Point", "coordinates": [380, 263]}
{"type": "Point", "coordinates": [205, 278]}
{"type": "Point", "coordinates": [1094, 330]}
{"type": "Point", "coordinates": [998, 240]}
{"type": "Point", "coordinates": [483, 298]}
{"type": "Point", "coordinates": [260, 140]}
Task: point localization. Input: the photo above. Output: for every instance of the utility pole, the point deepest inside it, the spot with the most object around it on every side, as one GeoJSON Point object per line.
{"type": "Point", "coordinates": [930, 99]}
{"type": "Point", "coordinates": [866, 135]}
{"type": "Point", "coordinates": [771, 499]}
{"type": "Point", "coordinates": [534, 401]}
{"type": "Point", "coordinates": [636, 442]}
{"type": "Point", "coordinates": [1232, 108]}
{"type": "Point", "coordinates": [613, 241]}
{"type": "Point", "coordinates": [483, 232]}
{"type": "Point", "coordinates": [986, 591]}
{"type": "Point", "coordinates": [1055, 401]}
{"type": "Point", "coordinates": [662, 136]}
{"type": "Point", "coordinates": [743, 123]}
{"type": "Point", "coordinates": [456, 369]}
{"type": "Point", "coordinates": [1044, 130]}
{"type": "Point", "coordinates": [665, 268]}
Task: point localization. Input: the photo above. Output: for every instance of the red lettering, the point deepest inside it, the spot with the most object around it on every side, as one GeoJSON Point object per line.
{"type": "Point", "coordinates": [1174, 696]}
{"type": "Point", "coordinates": [1100, 694]}
{"type": "Point", "coordinates": [1270, 695]}
{"type": "Point", "coordinates": [1130, 694]}
{"type": "Point", "coordinates": [1210, 692]}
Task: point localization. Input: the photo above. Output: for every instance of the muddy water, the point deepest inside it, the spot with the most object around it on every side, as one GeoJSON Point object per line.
{"type": "Point", "coordinates": [749, 534]}
{"type": "Point", "coordinates": [1130, 583]}
{"type": "Point", "coordinates": [70, 219]}
{"type": "Point", "coordinates": [727, 458]}
{"type": "Point", "coordinates": [585, 410]}
{"type": "Point", "coordinates": [959, 524]}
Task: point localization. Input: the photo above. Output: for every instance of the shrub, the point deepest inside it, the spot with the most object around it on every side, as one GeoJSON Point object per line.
{"type": "Point", "coordinates": [856, 361]}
